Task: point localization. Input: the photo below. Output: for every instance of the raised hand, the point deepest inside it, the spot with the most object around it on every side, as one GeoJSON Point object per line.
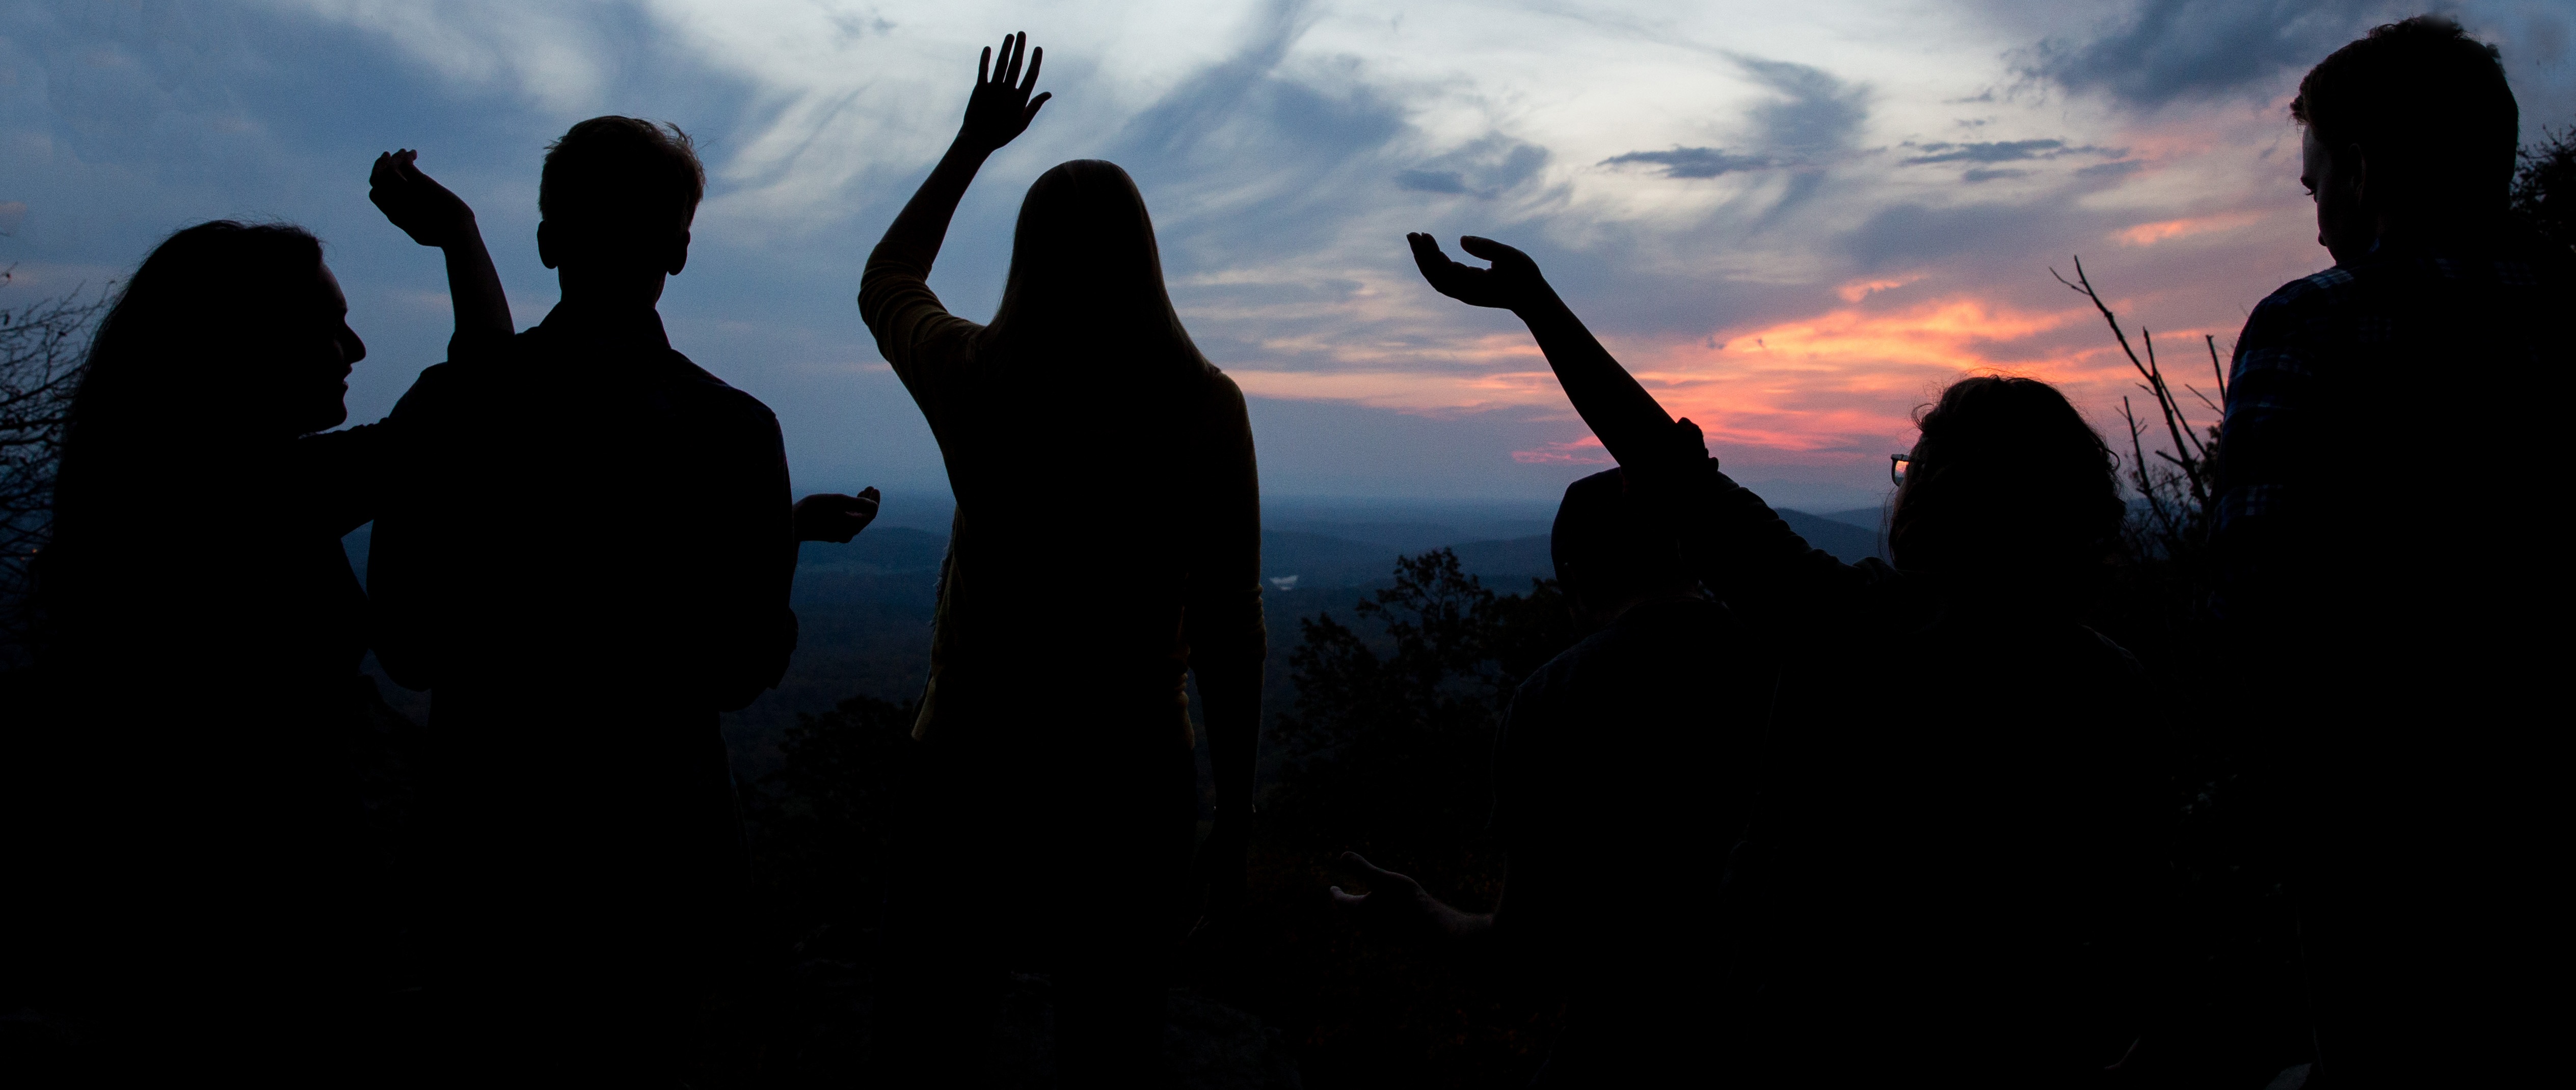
{"type": "Point", "coordinates": [826, 516]}
{"type": "Point", "coordinates": [415, 202]}
{"type": "Point", "coordinates": [1513, 281]}
{"type": "Point", "coordinates": [1001, 109]}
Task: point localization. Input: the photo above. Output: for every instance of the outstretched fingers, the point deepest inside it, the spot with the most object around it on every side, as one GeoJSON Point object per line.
{"type": "Point", "coordinates": [1490, 250]}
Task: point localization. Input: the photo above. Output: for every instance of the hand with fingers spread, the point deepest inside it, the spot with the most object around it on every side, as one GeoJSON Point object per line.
{"type": "Point", "coordinates": [415, 202]}
{"type": "Point", "coordinates": [1513, 283]}
{"type": "Point", "coordinates": [1001, 109]}
{"type": "Point", "coordinates": [835, 518]}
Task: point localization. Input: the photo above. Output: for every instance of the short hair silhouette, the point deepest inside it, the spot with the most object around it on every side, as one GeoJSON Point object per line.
{"type": "Point", "coordinates": [616, 174]}
{"type": "Point", "coordinates": [1606, 547]}
{"type": "Point", "coordinates": [2008, 480]}
{"type": "Point", "coordinates": [2426, 103]}
{"type": "Point", "coordinates": [1086, 275]}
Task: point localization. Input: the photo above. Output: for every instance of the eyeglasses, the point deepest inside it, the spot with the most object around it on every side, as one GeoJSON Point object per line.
{"type": "Point", "coordinates": [1897, 464]}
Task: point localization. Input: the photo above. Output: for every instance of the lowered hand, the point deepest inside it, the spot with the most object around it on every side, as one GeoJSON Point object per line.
{"type": "Point", "coordinates": [825, 516]}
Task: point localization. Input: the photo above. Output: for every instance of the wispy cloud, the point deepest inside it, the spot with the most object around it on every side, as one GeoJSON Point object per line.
{"type": "Point", "coordinates": [1769, 212]}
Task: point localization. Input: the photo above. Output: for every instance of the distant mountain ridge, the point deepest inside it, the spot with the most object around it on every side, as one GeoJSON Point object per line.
{"type": "Point", "coordinates": [864, 609]}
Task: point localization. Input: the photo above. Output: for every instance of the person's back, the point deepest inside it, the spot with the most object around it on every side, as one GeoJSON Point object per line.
{"type": "Point", "coordinates": [2382, 614]}
{"type": "Point", "coordinates": [1952, 867]}
{"type": "Point", "coordinates": [1622, 777]}
{"type": "Point", "coordinates": [586, 557]}
{"type": "Point", "coordinates": [1055, 726]}
{"type": "Point", "coordinates": [1953, 870]}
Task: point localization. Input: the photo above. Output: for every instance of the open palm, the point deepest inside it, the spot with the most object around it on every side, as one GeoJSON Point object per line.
{"type": "Point", "coordinates": [1001, 109]}
{"type": "Point", "coordinates": [1512, 282]}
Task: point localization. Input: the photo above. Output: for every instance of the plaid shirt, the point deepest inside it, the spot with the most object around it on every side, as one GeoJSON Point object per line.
{"type": "Point", "coordinates": [2359, 396]}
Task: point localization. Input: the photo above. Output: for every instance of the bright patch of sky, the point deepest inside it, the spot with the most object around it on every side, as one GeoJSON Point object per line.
{"type": "Point", "coordinates": [1796, 222]}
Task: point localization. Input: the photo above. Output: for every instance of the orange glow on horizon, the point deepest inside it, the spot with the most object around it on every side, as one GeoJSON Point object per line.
{"type": "Point", "coordinates": [2148, 234]}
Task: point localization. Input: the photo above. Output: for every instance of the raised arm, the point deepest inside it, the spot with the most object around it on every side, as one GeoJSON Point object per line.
{"type": "Point", "coordinates": [998, 111]}
{"type": "Point", "coordinates": [432, 216]}
{"type": "Point", "coordinates": [1737, 544]}
{"type": "Point", "coordinates": [1629, 422]}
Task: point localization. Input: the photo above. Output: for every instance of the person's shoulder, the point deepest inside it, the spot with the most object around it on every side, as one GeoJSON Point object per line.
{"type": "Point", "coordinates": [1223, 395]}
{"type": "Point", "coordinates": [2316, 291]}
{"type": "Point", "coordinates": [702, 386]}
{"type": "Point", "coordinates": [461, 380]}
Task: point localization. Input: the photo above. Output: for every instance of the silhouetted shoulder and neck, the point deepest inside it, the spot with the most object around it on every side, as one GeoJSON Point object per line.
{"type": "Point", "coordinates": [1941, 722]}
{"type": "Point", "coordinates": [1622, 774]}
{"type": "Point", "coordinates": [191, 806]}
{"type": "Point", "coordinates": [1106, 544]}
{"type": "Point", "coordinates": [2376, 413]}
{"type": "Point", "coordinates": [585, 556]}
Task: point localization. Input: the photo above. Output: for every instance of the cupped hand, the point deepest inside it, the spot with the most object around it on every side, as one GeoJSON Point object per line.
{"type": "Point", "coordinates": [825, 516]}
{"type": "Point", "coordinates": [415, 202]}
{"type": "Point", "coordinates": [1393, 902]}
{"type": "Point", "coordinates": [1512, 282]}
{"type": "Point", "coordinates": [1001, 109]}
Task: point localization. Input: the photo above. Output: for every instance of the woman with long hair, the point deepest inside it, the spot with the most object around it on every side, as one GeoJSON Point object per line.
{"type": "Point", "coordinates": [1951, 867]}
{"type": "Point", "coordinates": [205, 899]}
{"type": "Point", "coordinates": [1106, 545]}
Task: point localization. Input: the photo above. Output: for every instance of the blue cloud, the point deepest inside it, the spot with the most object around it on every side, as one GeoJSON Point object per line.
{"type": "Point", "coordinates": [1431, 181]}
{"type": "Point", "coordinates": [2004, 151]}
{"type": "Point", "coordinates": [1815, 118]}
{"type": "Point", "coordinates": [2167, 51]}
{"type": "Point", "coordinates": [1684, 162]}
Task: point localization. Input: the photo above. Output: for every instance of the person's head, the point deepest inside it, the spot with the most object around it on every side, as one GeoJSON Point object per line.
{"type": "Point", "coordinates": [616, 199]}
{"type": "Point", "coordinates": [227, 330]}
{"type": "Point", "coordinates": [1609, 551]}
{"type": "Point", "coordinates": [1086, 286]}
{"type": "Point", "coordinates": [2008, 487]}
{"type": "Point", "coordinates": [2411, 128]}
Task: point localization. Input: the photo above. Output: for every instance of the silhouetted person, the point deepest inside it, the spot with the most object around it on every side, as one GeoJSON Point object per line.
{"type": "Point", "coordinates": [584, 558]}
{"type": "Point", "coordinates": [1057, 819]}
{"type": "Point", "coordinates": [193, 885]}
{"type": "Point", "coordinates": [1622, 775]}
{"type": "Point", "coordinates": [1950, 871]}
{"type": "Point", "coordinates": [2381, 416]}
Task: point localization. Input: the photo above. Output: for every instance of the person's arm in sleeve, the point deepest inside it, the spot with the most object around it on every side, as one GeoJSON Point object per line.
{"type": "Point", "coordinates": [910, 324]}
{"type": "Point", "coordinates": [405, 554]}
{"type": "Point", "coordinates": [752, 629]}
{"type": "Point", "coordinates": [340, 475]}
{"type": "Point", "coordinates": [2269, 432]}
{"type": "Point", "coordinates": [1223, 626]}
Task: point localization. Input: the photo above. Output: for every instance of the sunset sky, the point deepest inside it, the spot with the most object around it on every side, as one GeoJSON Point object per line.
{"type": "Point", "coordinates": [1794, 221]}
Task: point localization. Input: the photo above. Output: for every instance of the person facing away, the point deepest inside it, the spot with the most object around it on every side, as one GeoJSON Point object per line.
{"type": "Point", "coordinates": [1070, 610]}
{"type": "Point", "coordinates": [585, 556]}
{"type": "Point", "coordinates": [1951, 866]}
{"type": "Point", "coordinates": [199, 892]}
{"type": "Point", "coordinates": [2385, 659]}
{"type": "Point", "coordinates": [1623, 772]}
